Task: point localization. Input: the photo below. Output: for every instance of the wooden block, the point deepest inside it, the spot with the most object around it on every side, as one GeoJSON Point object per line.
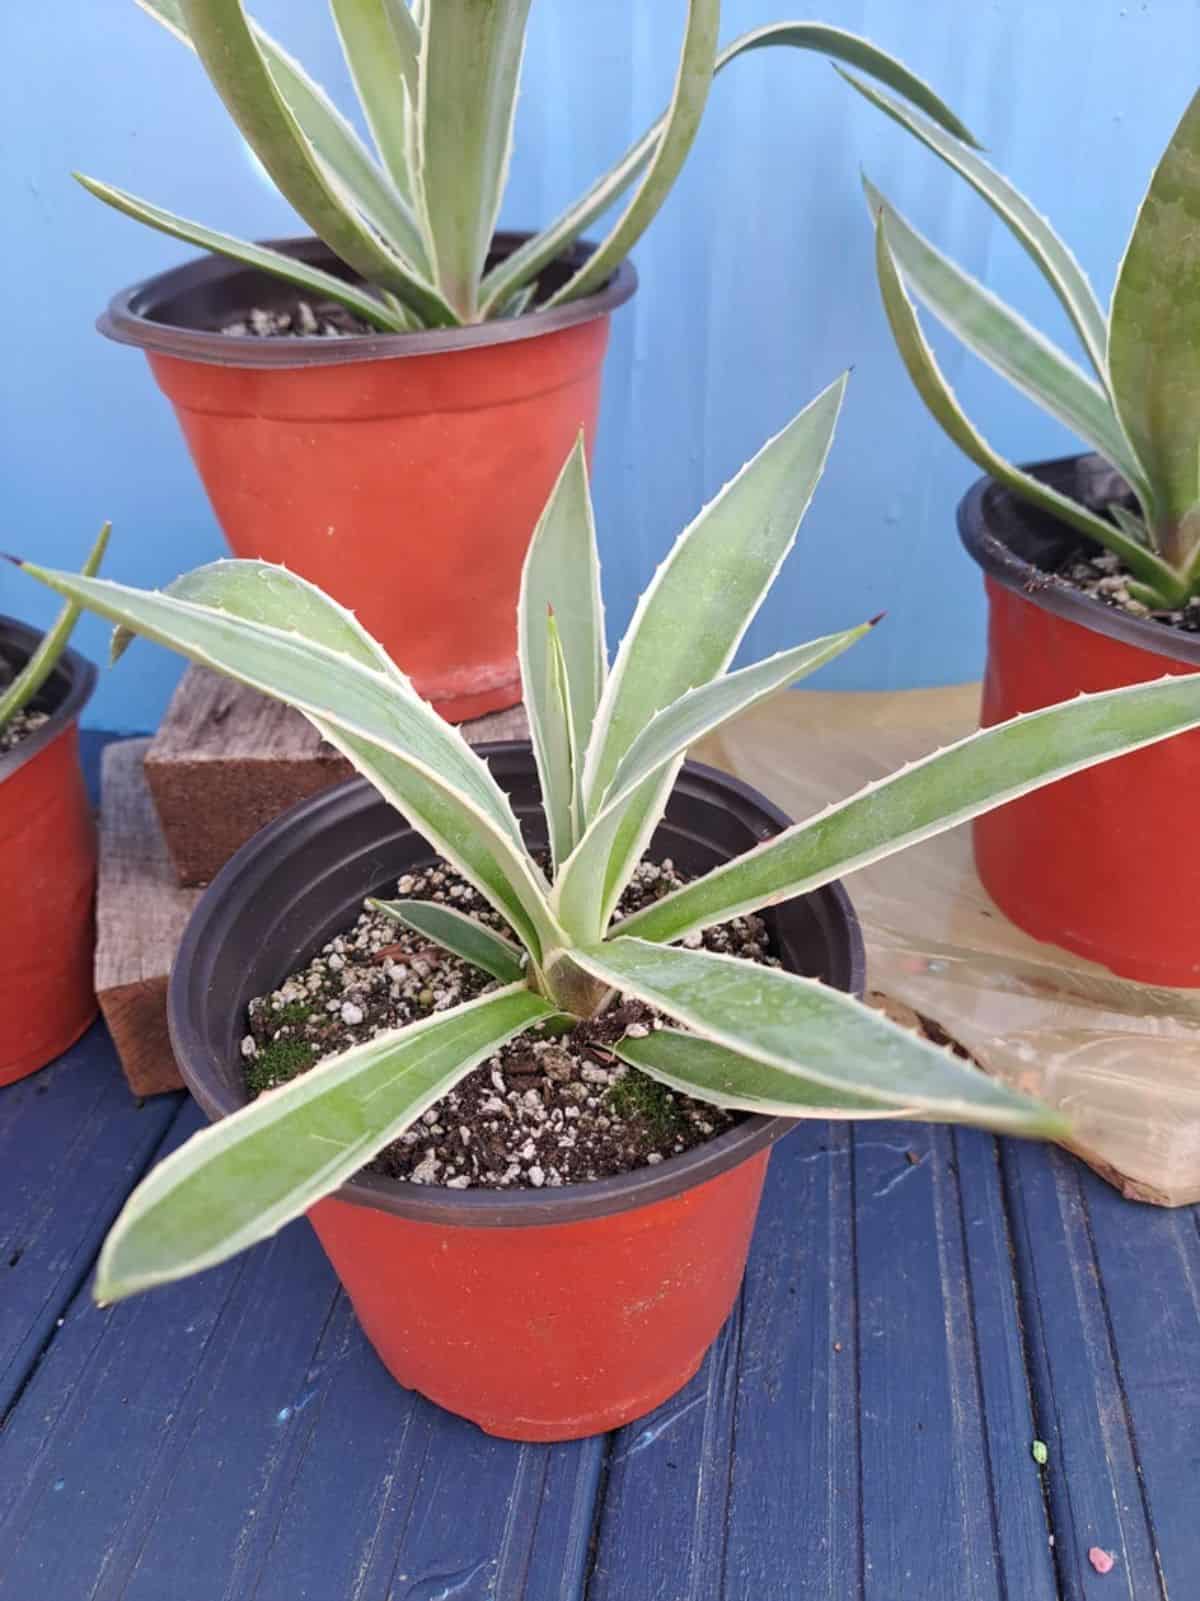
{"type": "Point", "coordinates": [140, 916]}
{"type": "Point", "coordinates": [227, 760]}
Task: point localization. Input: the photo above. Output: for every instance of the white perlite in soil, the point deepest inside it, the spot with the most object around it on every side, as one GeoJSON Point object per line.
{"type": "Point", "coordinates": [20, 727]}
{"type": "Point", "coordinates": [301, 320]}
{"type": "Point", "coordinates": [1104, 577]}
{"type": "Point", "coordinates": [542, 1112]}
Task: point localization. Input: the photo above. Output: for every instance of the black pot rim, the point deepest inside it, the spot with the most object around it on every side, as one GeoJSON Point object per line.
{"type": "Point", "coordinates": [485, 1208]}
{"type": "Point", "coordinates": [81, 676]}
{"type": "Point", "coordinates": [127, 321]}
{"type": "Point", "coordinates": [986, 546]}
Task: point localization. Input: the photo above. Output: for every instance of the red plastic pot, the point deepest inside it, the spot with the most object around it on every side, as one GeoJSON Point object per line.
{"type": "Point", "coordinates": [550, 1332]}
{"type": "Point", "coordinates": [539, 1314]}
{"type": "Point", "coordinates": [47, 872]}
{"type": "Point", "coordinates": [403, 473]}
{"type": "Point", "coordinates": [1099, 863]}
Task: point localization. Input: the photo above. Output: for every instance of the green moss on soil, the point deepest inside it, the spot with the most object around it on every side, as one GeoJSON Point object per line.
{"type": "Point", "coordinates": [638, 1096]}
{"type": "Point", "coordinates": [291, 1014]}
{"type": "Point", "coordinates": [276, 1064]}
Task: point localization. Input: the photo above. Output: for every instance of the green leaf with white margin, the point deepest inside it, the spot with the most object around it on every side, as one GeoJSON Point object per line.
{"type": "Point", "coordinates": [262, 592]}
{"type": "Point", "coordinates": [675, 729]}
{"type": "Point", "coordinates": [610, 850]}
{"type": "Point", "coordinates": [1128, 522]}
{"type": "Point", "coordinates": [554, 751]}
{"type": "Point", "coordinates": [696, 1066]}
{"type": "Point", "coordinates": [537, 253]}
{"type": "Point", "coordinates": [470, 65]}
{"type": "Point", "coordinates": [694, 613]}
{"type": "Point", "coordinates": [325, 198]}
{"type": "Point", "coordinates": [1009, 344]}
{"type": "Point", "coordinates": [927, 797]}
{"type": "Point", "coordinates": [407, 28]}
{"type": "Point", "coordinates": [241, 1180]}
{"type": "Point", "coordinates": [937, 394]}
{"type": "Point", "coordinates": [561, 577]}
{"type": "Point", "coordinates": [520, 269]}
{"type": "Point", "coordinates": [311, 279]}
{"type": "Point", "coordinates": [561, 690]}
{"type": "Point", "coordinates": [1154, 338]}
{"type": "Point", "coordinates": [684, 632]}
{"type": "Point", "coordinates": [463, 936]}
{"type": "Point", "coordinates": [1031, 230]}
{"type": "Point", "coordinates": [50, 647]}
{"type": "Point", "coordinates": [851, 48]}
{"type": "Point", "coordinates": [420, 764]}
{"type": "Point", "coordinates": [380, 51]}
{"type": "Point", "coordinates": [327, 130]}
{"type": "Point", "coordinates": [799, 1025]}
{"type": "Point", "coordinates": [1134, 527]}
{"type": "Point", "coordinates": [516, 305]}
{"type": "Point", "coordinates": [693, 80]}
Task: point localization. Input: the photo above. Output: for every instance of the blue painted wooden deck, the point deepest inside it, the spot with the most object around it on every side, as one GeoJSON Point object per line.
{"type": "Point", "coordinates": [861, 1431]}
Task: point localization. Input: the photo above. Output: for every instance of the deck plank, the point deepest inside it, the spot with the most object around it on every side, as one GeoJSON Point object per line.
{"type": "Point", "coordinates": [746, 1484]}
{"type": "Point", "coordinates": [1109, 1303]}
{"type": "Point", "coordinates": [72, 1144]}
{"type": "Point", "coordinates": [875, 1351]}
{"type": "Point", "coordinates": [795, 1499]}
{"type": "Point", "coordinates": [1151, 1284]}
{"type": "Point", "coordinates": [662, 1530]}
{"type": "Point", "coordinates": [235, 1436]}
{"type": "Point", "coordinates": [921, 1414]}
{"type": "Point", "coordinates": [425, 1504]}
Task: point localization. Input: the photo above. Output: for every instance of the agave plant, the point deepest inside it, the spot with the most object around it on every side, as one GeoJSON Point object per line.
{"type": "Point", "coordinates": [1139, 407]}
{"type": "Point", "coordinates": [608, 745]}
{"type": "Point", "coordinates": [16, 695]}
{"type": "Point", "coordinates": [437, 85]}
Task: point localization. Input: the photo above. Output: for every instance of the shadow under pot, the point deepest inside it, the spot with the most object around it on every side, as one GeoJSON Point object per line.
{"type": "Point", "coordinates": [47, 870]}
{"type": "Point", "coordinates": [538, 1314]}
{"type": "Point", "coordinates": [1099, 863]}
{"type": "Point", "coordinates": [402, 473]}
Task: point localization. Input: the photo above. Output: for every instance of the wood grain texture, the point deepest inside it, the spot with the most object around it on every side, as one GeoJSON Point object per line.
{"type": "Point", "coordinates": [1111, 1312]}
{"type": "Point", "coordinates": [72, 1145]}
{"type": "Point", "coordinates": [874, 1369]}
{"type": "Point", "coordinates": [140, 916]}
{"type": "Point", "coordinates": [236, 1436]}
{"type": "Point", "coordinates": [226, 761]}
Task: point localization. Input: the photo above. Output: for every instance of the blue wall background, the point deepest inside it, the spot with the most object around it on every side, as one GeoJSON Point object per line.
{"type": "Point", "coordinates": [757, 284]}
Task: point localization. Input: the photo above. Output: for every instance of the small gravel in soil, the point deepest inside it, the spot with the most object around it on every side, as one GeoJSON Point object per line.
{"type": "Point", "coordinates": [543, 1111]}
{"type": "Point", "coordinates": [303, 319]}
{"type": "Point", "coordinates": [1104, 577]}
{"type": "Point", "coordinates": [20, 727]}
